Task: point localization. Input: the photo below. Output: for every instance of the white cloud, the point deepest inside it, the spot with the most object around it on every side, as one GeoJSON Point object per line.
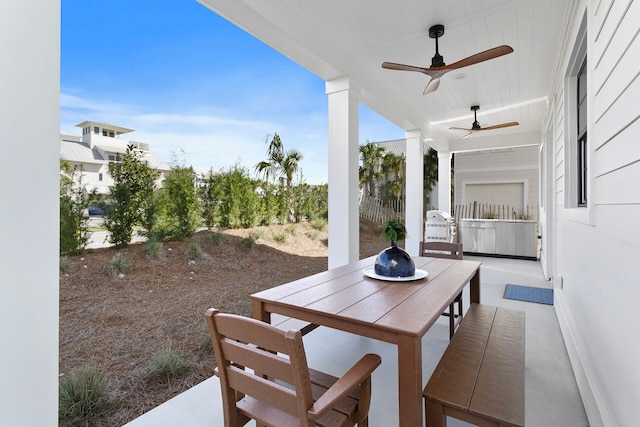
{"type": "Point", "coordinates": [207, 140]}
{"type": "Point", "coordinates": [214, 138]}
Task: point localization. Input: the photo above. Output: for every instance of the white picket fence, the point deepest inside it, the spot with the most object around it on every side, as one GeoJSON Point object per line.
{"type": "Point", "coordinates": [476, 210]}
{"type": "Point", "coordinates": [377, 211]}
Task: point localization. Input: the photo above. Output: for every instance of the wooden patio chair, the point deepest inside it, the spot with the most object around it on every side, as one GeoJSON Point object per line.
{"type": "Point", "coordinates": [451, 251]}
{"type": "Point", "coordinates": [282, 391]}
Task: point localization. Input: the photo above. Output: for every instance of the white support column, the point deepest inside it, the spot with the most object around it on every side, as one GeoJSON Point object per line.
{"type": "Point", "coordinates": [344, 230]}
{"type": "Point", "coordinates": [444, 181]}
{"type": "Point", "coordinates": [414, 220]}
{"type": "Point", "coordinates": [29, 217]}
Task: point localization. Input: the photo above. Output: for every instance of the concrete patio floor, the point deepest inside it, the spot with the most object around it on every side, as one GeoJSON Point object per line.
{"type": "Point", "coordinates": [552, 397]}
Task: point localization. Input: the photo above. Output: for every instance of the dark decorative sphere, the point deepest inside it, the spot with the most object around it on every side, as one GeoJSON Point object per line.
{"type": "Point", "coordinates": [394, 262]}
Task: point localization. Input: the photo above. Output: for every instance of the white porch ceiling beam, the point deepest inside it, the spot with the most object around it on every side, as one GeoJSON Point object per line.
{"type": "Point", "coordinates": [491, 141]}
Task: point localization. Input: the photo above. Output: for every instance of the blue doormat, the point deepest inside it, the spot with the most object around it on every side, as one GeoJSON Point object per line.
{"type": "Point", "coordinates": [529, 294]}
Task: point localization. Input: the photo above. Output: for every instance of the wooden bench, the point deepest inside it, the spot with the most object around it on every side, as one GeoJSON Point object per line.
{"type": "Point", "coordinates": [480, 377]}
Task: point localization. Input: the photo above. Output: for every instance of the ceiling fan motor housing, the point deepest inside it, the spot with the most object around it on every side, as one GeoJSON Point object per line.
{"type": "Point", "coordinates": [434, 32]}
{"type": "Point", "coordinates": [476, 124]}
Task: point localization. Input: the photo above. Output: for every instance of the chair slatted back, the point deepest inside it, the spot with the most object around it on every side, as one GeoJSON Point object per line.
{"type": "Point", "coordinates": [441, 250]}
{"type": "Point", "coordinates": [241, 343]}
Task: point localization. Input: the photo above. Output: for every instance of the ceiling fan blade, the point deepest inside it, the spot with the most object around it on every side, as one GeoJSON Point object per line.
{"type": "Point", "coordinates": [480, 57]}
{"type": "Point", "coordinates": [501, 125]}
{"type": "Point", "coordinates": [403, 67]}
{"type": "Point", "coordinates": [471, 130]}
{"type": "Point", "coordinates": [438, 67]}
{"type": "Point", "coordinates": [432, 86]}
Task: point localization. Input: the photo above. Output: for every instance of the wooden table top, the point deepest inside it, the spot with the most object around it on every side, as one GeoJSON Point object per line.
{"type": "Point", "coordinates": [376, 308]}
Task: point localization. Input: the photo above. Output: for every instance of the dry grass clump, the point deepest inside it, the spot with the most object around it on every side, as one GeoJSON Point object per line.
{"type": "Point", "coordinates": [84, 396]}
{"type": "Point", "coordinates": [118, 266]}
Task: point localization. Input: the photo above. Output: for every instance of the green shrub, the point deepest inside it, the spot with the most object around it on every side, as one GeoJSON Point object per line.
{"type": "Point", "coordinates": [66, 266]}
{"type": "Point", "coordinates": [194, 251]}
{"type": "Point", "coordinates": [179, 210]}
{"type": "Point", "coordinates": [83, 396]}
{"type": "Point", "coordinates": [280, 237]}
{"type": "Point", "coordinates": [260, 233]}
{"type": "Point", "coordinates": [166, 363]}
{"type": "Point", "coordinates": [237, 203]}
{"type": "Point", "coordinates": [292, 228]}
{"type": "Point", "coordinates": [319, 224]}
{"type": "Point", "coordinates": [118, 265]}
{"type": "Point", "coordinates": [218, 239]}
{"type": "Point", "coordinates": [313, 235]}
{"type": "Point", "coordinates": [154, 249]}
{"type": "Point", "coordinates": [74, 233]}
{"type": "Point", "coordinates": [248, 243]}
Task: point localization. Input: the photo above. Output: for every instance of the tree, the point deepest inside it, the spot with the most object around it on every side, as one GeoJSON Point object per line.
{"type": "Point", "coordinates": [131, 195]}
{"type": "Point", "coordinates": [74, 233]}
{"type": "Point", "coordinates": [281, 163]}
{"type": "Point", "coordinates": [209, 207]}
{"type": "Point", "coordinates": [395, 165]}
{"type": "Point", "coordinates": [430, 170]}
{"type": "Point", "coordinates": [179, 214]}
{"type": "Point", "coordinates": [272, 204]}
{"type": "Point", "coordinates": [371, 170]}
{"type": "Point", "coordinates": [237, 199]}
{"type": "Point", "coordinates": [311, 201]}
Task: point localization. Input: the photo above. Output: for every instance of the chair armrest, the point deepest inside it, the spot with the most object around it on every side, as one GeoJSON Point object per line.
{"type": "Point", "coordinates": [359, 373]}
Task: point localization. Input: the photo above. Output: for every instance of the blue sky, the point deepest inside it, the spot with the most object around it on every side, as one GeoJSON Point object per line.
{"type": "Point", "coordinates": [190, 82]}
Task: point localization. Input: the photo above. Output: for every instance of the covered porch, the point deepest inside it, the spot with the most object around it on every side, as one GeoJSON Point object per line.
{"type": "Point", "coordinates": [552, 397]}
{"type": "Point", "coordinates": [590, 236]}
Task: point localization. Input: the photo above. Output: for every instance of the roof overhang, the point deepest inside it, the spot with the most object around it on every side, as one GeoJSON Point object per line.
{"type": "Point", "coordinates": [351, 40]}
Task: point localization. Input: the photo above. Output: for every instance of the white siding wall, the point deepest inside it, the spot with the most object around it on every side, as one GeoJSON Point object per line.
{"type": "Point", "coordinates": [91, 177]}
{"type": "Point", "coordinates": [598, 248]}
{"type": "Point", "coordinates": [507, 193]}
{"type": "Point", "coordinates": [29, 216]}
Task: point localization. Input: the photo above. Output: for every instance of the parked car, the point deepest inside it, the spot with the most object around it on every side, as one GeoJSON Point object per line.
{"type": "Point", "coordinates": [95, 211]}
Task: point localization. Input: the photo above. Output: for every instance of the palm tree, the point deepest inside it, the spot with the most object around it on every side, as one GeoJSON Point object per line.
{"type": "Point", "coordinates": [371, 170]}
{"type": "Point", "coordinates": [395, 165]}
{"type": "Point", "coordinates": [280, 163]}
{"type": "Point", "coordinates": [430, 169]}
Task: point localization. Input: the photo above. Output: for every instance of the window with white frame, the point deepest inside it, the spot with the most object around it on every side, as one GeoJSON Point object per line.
{"type": "Point", "coordinates": [581, 142]}
{"type": "Point", "coordinates": [576, 119]}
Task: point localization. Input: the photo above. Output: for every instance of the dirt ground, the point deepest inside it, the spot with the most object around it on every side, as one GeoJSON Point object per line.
{"type": "Point", "coordinates": [117, 324]}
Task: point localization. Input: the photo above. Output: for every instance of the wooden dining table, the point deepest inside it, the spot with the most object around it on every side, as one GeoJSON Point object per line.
{"type": "Point", "coordinates": [397, 312]}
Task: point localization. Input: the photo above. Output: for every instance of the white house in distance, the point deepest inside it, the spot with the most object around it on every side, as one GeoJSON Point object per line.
{"type": "Point", "coordinates": [99, 145]}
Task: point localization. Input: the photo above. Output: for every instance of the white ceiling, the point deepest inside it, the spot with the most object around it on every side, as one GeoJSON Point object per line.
{"type": "Point", "coordinates": [335, 38]}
